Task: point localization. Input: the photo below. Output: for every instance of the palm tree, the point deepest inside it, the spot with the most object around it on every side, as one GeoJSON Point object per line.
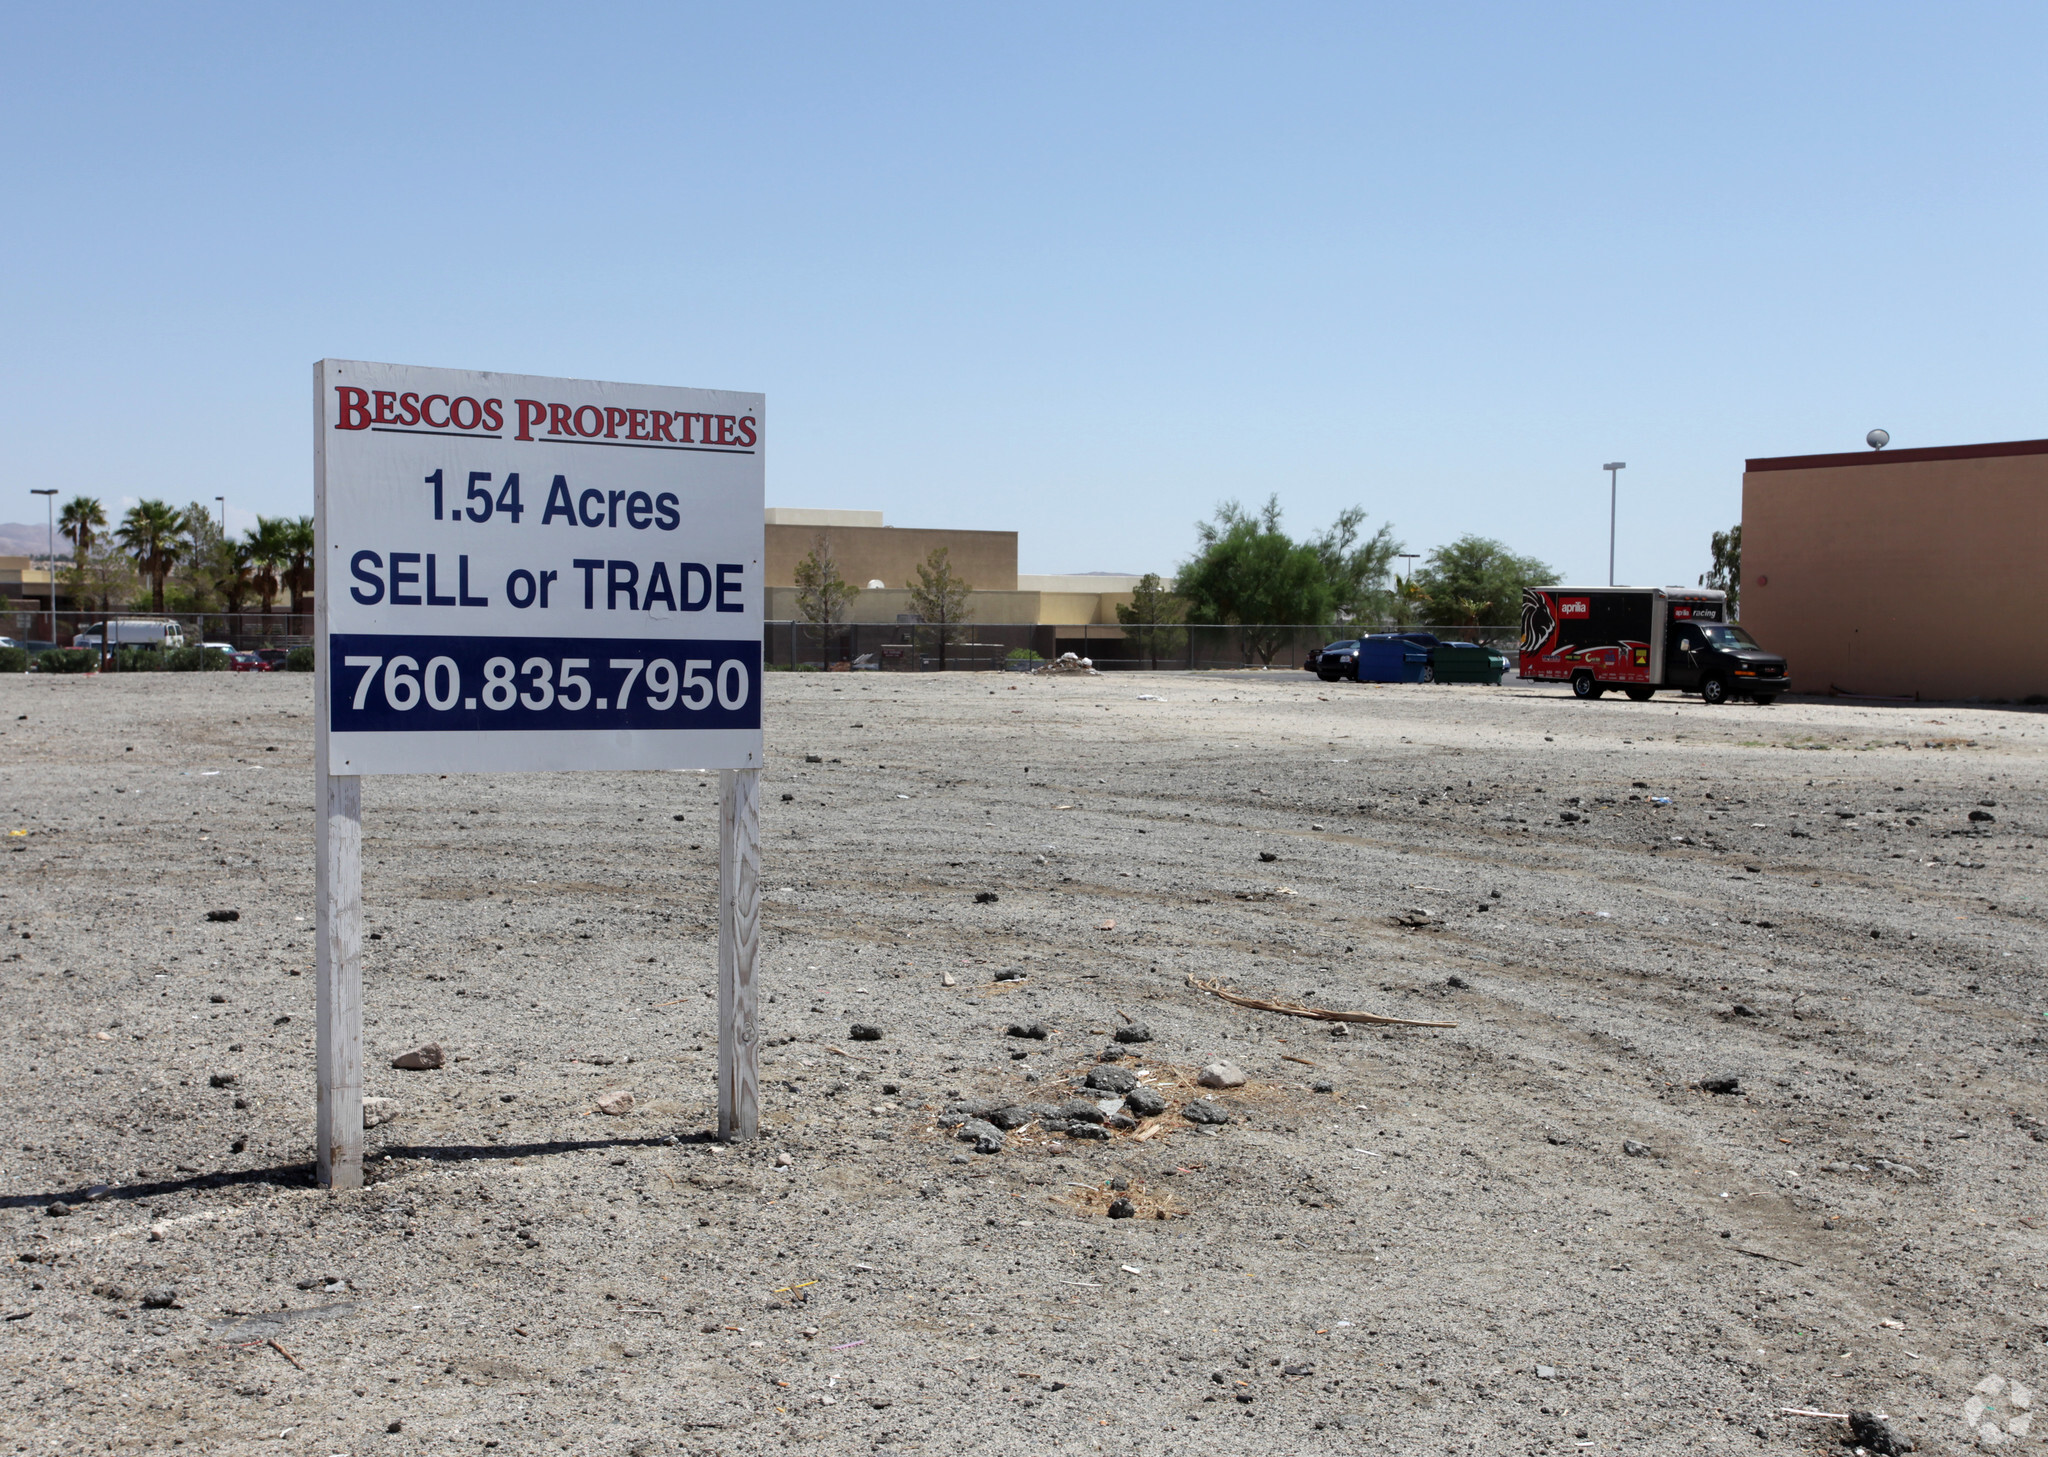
{"type": "Point", "coordinates": [81, 518]}
{"type": "Point", "coordinates": [298, 538]}
{"type": "Point", "coordinates": [230, 564]}
{"type": "Point", "coordinates": [153, 532]}
{"type": "Point", "coordinates": [269, 549]}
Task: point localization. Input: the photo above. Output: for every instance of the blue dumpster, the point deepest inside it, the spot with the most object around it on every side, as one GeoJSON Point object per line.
{"type": "Point", "coordinates": [1392, 660]}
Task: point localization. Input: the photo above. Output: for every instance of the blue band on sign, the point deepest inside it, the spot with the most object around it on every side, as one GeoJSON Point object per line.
{"type": "Point", "coordinates": [409, 683]}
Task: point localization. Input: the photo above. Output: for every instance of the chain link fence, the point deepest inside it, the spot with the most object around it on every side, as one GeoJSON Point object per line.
{"type": "Point", "coordinates": [31, 626]}
{"type": "Point", "coordinates": [993, 647]}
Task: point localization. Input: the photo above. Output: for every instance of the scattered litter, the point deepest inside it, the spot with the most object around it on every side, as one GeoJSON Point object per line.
{"type": "Point", "coordinates": [1296, 1009]}
{"type": "Point", "coordinates": [849, 1345]}
{"type": "Point", "coordinates": [284, 1353]}
{"type": "Point", "coordinates": [228, 915]}
{"type": "Point", "coordinates": [1130, 1269]}
{"type": "Point", "coordinates": [1067, 664]}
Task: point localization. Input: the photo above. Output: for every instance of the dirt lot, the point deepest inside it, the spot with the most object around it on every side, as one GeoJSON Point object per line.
{"type": "Point", "coordinates": [1528, 1232]}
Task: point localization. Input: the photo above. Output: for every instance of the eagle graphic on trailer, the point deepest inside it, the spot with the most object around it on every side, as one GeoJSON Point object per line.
{"type": "Point", "coordinates": [1641, 639]}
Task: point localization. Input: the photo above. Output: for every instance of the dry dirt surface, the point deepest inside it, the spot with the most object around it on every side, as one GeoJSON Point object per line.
{"type": "Point", "coordinates": [1532, 1231]}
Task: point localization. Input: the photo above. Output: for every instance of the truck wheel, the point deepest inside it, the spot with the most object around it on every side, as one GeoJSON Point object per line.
{"type": "Point", "coordinates": [1714, 689]}
{"type": "Point", "coordinates": [1584, 686]}
{"type": "Point", "coordinates": [1640, 695]}
{"type": "Point", "coordinates": [1429, 673]}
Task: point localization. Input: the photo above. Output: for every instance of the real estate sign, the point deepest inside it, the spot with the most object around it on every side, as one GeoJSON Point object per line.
{"type": "Point", "coordinates": [527, 573]}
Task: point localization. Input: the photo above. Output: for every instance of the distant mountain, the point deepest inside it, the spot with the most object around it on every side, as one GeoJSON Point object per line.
{"type": "Point", "coordinates": [19, 540]}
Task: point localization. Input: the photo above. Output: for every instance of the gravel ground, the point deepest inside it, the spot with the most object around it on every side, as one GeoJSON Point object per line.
{"type": "Point", "coordinates": [1533, 1231]}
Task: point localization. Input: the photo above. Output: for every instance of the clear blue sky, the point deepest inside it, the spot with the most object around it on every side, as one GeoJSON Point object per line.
{"type": "Point", "coordinates": [1079, 271]}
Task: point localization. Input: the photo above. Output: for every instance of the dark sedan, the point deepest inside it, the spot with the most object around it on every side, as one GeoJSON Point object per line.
{"type": "Point", "coordinates": [1333, 660]}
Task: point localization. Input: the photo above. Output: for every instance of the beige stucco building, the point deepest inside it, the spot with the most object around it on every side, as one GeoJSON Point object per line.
{"type": "Point", "coordinates": [1902, 572]}
{"type": "Point", "coordinates": [869, 552]}
{"type": "Point", "coordinates": [21, 580]}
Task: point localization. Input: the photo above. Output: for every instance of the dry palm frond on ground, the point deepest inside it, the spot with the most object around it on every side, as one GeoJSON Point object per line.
{"type": "Point", "coordinates": [1296, 1009]}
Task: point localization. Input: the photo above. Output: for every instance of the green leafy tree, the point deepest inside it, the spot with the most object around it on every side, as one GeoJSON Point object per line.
{"type": "Point", "coordinates": [1358, 570]}
{"type": "Point", "coordinates": [1251, 574]}
{"type": "Point", "coordinates": [1148, 620]}
{"type": "Point", "coordinates": [297, 540]}
{"type": "Point", "coordinates": [102, 574]}
{"type": "Point", "coordinates": [939, 596]}
{"type": "Point", "coordinates": [1727, 569]}
{"type": "Point", "coordinates": [153, 533]}
{"type": "Point", "coordinates": [80, 522]}
{"type": "Point", "coordinates": [192, 579]}
{"type": "Point", "coordinates": [1476, 580]}
{"type": "Point", "coordinates": [822, 594]}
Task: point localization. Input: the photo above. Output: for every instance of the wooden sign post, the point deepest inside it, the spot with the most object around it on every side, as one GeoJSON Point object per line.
{"type": "Point", "coordinates": [494, 594]}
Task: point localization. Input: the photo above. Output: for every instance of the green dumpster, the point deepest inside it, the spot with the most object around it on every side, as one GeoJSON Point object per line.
{"type": "Point", "coordinates": [1464, 662]}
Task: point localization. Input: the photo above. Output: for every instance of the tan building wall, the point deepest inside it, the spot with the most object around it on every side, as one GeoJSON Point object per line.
{"type": "Point", "coordinates": [986, 560]}
{"type": "Point", "coordinates": [21, 579]}
{"type": "Point", "coordinates": [1064, 609]}
{"type": "Point", "coordinates": [1902, 572]}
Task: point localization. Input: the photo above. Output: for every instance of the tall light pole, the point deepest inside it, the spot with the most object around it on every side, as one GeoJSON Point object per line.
{"type": "Point", "coordinates": [223, 536]}
{"type": "Point", "coordinates": [50, 562]}
{"type": "Point", "coordinates": [1613, 468]}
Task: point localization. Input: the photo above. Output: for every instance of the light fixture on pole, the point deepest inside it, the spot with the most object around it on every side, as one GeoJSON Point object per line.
{"type": "Point", "coordinates": [1409, 556]}
{"type": "Point", "coordinates": [223, 516]}
{"type": "Point", "coordinates": [1613, 468]}
{"type": "Point", "coordinates": [50, 562]}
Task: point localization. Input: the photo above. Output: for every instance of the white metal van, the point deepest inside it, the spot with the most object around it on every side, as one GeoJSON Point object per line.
{"type": "Point", "coordinates": [152, 632]}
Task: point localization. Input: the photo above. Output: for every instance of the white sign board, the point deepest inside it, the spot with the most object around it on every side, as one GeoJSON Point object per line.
{"type": "Point", "coordinates": [518, 572]}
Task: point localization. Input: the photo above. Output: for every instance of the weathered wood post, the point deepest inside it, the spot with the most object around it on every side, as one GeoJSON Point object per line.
{"type": "Point", "coordinates": [739, 940]}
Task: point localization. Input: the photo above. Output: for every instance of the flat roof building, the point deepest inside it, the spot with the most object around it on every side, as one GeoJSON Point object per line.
{"type": "Point", "coordinates": [883, 561]}
{"type": "Point", "coordinates": [1902, 573]}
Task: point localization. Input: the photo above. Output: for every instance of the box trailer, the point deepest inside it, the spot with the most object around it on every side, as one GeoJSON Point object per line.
{"type": "Point", "coordinates": [1641, 639]}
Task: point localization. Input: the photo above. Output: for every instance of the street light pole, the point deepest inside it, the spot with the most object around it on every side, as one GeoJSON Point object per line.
{"type": "Point", "coordinates": [223, 536]}
{"type": "Point", "coordinates": [50, 562]}
{"type": "Point", "coordinates": [1613, 468]}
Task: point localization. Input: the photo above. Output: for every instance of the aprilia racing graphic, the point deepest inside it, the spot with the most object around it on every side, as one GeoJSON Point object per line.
{"type": "Point", "coordinates": [1537, 623]}
{"type": "Point", "coordinates": [1607, 629]}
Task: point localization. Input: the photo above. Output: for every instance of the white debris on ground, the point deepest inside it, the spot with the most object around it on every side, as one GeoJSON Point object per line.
{"type": "Point", "coordinates": [1071, 664]}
